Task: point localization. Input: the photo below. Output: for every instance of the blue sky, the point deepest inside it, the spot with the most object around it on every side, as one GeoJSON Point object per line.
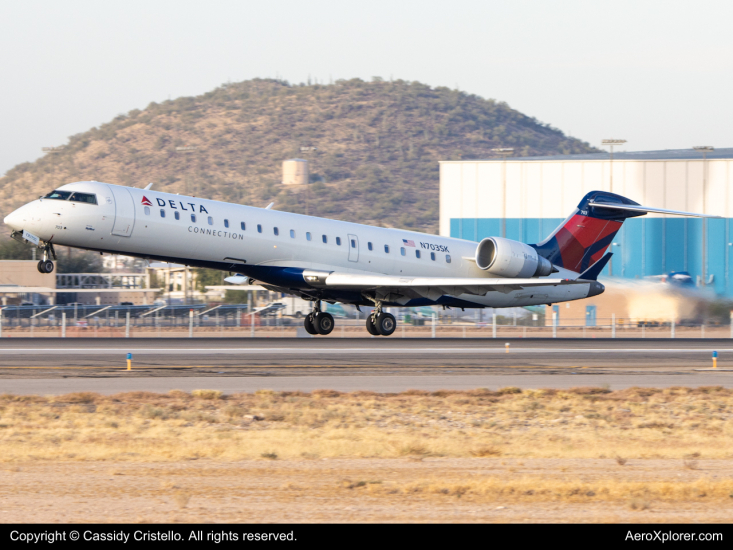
{"type": "Point", "coordinates": [655, 73]}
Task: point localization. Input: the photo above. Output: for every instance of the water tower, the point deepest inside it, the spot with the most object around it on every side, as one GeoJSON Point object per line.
{"type": "Point", "coordinates": [295, 172]}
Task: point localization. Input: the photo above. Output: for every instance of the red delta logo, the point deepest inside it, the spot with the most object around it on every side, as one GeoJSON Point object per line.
{"type": "Point", "coordinates": [172, 204]}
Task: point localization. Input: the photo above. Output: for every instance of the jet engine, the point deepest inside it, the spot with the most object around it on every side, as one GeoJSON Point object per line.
{"type": "Point", "coordinates": [508, 258]}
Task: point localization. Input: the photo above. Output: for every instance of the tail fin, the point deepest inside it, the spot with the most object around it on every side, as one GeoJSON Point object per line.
{"type": "Point", "coordinates": [583, 238]}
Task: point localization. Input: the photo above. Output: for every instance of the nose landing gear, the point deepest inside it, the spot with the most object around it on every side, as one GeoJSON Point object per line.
{"type": "Point", "coordinates": [46, 265]}
{"type": "Point", "coordinates": [318, 322]}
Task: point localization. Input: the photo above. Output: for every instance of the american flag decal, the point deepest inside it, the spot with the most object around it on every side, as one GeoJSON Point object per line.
{"type": "Point", "coordinates": [408, 243]}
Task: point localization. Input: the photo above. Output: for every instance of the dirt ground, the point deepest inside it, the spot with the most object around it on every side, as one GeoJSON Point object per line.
{"type": "Point", "coordinates": [579, 455]}
{"type": "Point", "coordinates": [349, 490]}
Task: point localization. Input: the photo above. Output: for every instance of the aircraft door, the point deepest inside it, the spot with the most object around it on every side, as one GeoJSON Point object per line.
{"type": "Point", "coordinates": [124, 211]}
{"type": "Point", "coordinates": [353, 248]}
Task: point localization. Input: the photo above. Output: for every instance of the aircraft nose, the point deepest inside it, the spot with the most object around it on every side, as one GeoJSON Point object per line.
{"type": "Point", "coordinates": [15, 219]}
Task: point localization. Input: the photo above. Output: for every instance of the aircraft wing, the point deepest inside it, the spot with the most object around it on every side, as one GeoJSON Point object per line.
{"type": "Point", "coordinates": [397, 289]}
{"type": "Point", "coordinates": [403, 289]}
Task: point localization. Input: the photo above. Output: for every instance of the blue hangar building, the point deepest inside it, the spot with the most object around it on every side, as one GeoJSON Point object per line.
{"type": "Point", "coordinates": [526, 198]}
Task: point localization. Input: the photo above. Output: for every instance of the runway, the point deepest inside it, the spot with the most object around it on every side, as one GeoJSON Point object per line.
{"type": "Point", "coordinates": [279, 353]}
{"type": "Point", "coordinates": [385, 365]}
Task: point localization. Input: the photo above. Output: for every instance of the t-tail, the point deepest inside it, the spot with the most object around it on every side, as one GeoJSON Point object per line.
{"type": "Point", "coordinates": [581, 241]}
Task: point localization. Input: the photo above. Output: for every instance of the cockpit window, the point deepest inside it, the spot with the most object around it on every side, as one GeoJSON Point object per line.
{"type": "Point", "coordinates": [83, 197]}
{"type": "Point", "coordinates": [58, 195]}
{"type": "Point", "coordinates": [72, 196]}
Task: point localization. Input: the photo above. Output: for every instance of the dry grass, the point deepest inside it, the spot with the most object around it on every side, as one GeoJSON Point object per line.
{"type": "Point", "coordinates": [680, 423]}
{"type": "Point", "coordinates": [206, 394]}
{"type": "Point", "coordinates": [542, 489]}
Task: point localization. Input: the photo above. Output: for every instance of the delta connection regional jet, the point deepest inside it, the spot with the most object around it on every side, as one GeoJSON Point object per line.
{"type": "Point", "coordinates": [320, 259]}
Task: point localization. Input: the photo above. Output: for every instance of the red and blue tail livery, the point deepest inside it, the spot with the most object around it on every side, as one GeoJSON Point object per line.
{"type": "Point", "coordinates": [583, 238]}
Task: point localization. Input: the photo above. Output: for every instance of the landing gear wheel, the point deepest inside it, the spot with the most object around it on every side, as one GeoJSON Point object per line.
{"type": "Point", "coordinates": [324, 323]}
{"type": "Point", "coordinates": [386, 324]}
{"type": "Point", "coordinates": [310, 328]}
{"type": "Point", "coordinates": [371, 329]}
{"type": "Point", "coordinates": [45, 266]}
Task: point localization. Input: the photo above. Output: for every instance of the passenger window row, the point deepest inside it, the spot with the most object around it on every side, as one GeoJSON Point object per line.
{"type": "Point", "coordinates": [276, 231]}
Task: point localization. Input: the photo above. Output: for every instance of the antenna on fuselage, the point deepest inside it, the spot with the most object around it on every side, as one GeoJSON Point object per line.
{"type": "Point", "coordinates": [269, 206]}
{"type": "Point", "coordinates": [148, 186]}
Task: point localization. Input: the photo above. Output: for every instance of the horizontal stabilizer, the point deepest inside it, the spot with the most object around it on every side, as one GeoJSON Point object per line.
{"type": "Point", "coordinates": [591, 274]}
{"type": "Point", "coordinates": [647, 209]}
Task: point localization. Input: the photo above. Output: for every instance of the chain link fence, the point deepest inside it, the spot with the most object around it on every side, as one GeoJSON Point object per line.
{"type": "Point", "coordinates": [236, 321]}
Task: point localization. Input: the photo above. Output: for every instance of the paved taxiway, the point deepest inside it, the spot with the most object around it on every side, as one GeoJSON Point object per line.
{"type": "Point", "coordinates": [159, 364]}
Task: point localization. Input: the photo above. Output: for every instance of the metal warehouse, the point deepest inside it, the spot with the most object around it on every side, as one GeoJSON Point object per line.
{"type": "Point", "coordinates": [527, 198]}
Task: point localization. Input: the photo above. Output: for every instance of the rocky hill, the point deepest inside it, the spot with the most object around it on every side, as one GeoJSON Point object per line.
{"type": "Point", "coordinates": [378, 146]}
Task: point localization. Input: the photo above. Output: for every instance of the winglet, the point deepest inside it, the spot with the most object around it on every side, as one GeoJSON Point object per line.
{"type": "Point", "coordinates": [591, 274]}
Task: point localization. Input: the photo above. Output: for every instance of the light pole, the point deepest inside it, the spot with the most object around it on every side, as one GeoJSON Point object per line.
{"type": "Point", "coordinates": [610, 143]}
{"type": "Point", "coordinates": [704, 149]}
{"type": "Point", "coordinates": [503, 152]}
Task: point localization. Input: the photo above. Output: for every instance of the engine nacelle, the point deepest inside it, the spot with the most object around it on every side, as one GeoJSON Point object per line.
{"type": "Point", "coordinates": [508, 258]}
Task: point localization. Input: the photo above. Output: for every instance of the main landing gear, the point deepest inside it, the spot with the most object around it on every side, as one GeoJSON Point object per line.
{"type": "Point", "coordinates": [46, 265]}
{"type": "Point", "coordinates": [380, 323]}
{"type": "Point", "coordinates": [318, 322]}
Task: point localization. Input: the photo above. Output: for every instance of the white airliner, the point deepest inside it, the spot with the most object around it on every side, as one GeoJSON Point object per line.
{"type": "Point", "coordinates": [320, 259]}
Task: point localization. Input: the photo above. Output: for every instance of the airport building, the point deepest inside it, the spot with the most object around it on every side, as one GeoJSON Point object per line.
{"type": "Point", "coordinates": [527, 198]}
